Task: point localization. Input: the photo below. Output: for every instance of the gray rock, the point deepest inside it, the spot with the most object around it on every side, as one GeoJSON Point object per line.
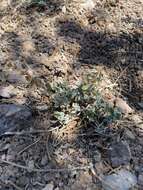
{"type": "Point", "coordinates": [122, 180]}
{"type": "Point", "coordinates": [15, 77]}
{"type": "Point", "coordinates": [12, 117]}
{"type": "Point", "coordinates": [129, 134]}
{"type": "Point", "coordinates": [7, 92]}
{"type": "Point", "coordinates": [140, 179]}
{"type": "Point", "coordinates": [141, 105]}
{"type": "Point", "coordinates": [119, 154]}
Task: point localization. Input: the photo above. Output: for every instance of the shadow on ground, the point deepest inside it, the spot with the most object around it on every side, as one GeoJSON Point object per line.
{"type": "Point", "coordinates": [122, 53]}
{"type": "Point", "coordinates": [49, 7]}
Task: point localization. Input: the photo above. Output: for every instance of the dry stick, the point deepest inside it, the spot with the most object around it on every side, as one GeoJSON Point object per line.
{"type": "Point", "coordinates": [34, 132]}
{"type": "Point", "coordinates": [44, 170]}
{"type": "Point", "coordinates": [30, 132]}
{"type": "Point", "coordinates": [47, 147]}
{"type": "Point", "coordinates": [14, 185]}
{"type": "Point", "coordinates": [112, 169]}
{"type": "Point", "coordinates": [27, 147]}
{"type": "Point", "coordinates": [6, 182]}
{"type": "Point", "coordinates": [130, 85]}
{"type": "Point", "coordinates": [120, 75]}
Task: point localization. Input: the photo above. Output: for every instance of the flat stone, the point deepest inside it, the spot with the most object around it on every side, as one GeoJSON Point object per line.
{"type": "Point", "coordinates": [119, 154]}
{"type": "Point", "coordinates": [7, 91]}
{"type": "Point", "coordinates": [12, 117]}
{"type": "Point", "coordinates": [15, 77]}
{"type": "Point", "coordinates": [121, 180]}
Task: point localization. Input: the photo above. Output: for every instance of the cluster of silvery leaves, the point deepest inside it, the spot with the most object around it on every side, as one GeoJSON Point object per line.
{"type": "Point", "coordinates": [38, 2]}
{"type": "Point", "coordinates": [85, 102]}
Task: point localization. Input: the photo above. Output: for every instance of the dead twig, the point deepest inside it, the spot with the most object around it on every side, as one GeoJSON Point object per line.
{"type": "Point", "coordinates": [47, 147]}
{"type": "Point", "coordinates": [27, 147]}
{"type": "Point", "coordinates": [14, 185]}
{"type": "Point", "coordinates": [121, 74]}
{"type": "Point", "coordinates": [30, 132]}
{"type": "Point", "coordinates": [45, 170]}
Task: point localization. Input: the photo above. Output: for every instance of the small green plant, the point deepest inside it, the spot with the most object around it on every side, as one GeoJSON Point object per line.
{"type": "Point", "coordinates": [84, 101]}
{"type": "Point", "coordinates": [39, 2]}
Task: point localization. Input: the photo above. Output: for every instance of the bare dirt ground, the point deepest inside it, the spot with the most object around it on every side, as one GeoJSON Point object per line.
{"type": "Point", "coordinates": [62, 40]}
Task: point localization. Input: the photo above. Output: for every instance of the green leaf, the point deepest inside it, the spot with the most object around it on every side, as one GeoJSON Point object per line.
{"type": "Point", "coordinates": [85, 87]}
{"type": "Point", "coordinates": [62, 117]}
